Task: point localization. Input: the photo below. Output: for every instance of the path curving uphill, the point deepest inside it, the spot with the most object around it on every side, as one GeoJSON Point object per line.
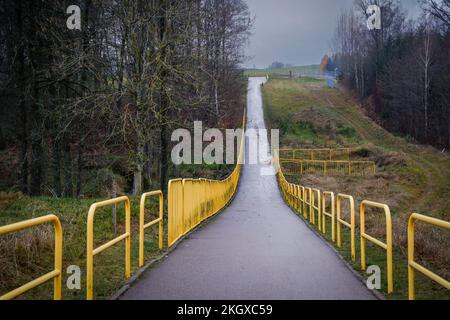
{"type": "Point", "coordinates": [257, 249]}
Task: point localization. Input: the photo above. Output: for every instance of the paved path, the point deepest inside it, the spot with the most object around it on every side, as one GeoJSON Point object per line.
{"type": "Point", "coordinates": [256, 249]}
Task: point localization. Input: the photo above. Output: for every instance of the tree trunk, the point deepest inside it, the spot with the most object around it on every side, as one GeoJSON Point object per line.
{"type": "Point", "coordinates": [138, 170]}
{"type": "Point", "coordinates": [57, 168]}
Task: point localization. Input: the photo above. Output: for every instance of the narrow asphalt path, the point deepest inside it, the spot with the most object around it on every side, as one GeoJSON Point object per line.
{"type": "Point", "coordinates": [257, 249]}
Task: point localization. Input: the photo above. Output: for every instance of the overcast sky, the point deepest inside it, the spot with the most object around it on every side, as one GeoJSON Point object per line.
{"type": "Point", "coordinates": [296, 31]}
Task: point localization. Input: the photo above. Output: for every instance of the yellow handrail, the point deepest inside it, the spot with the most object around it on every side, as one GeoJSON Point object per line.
{"type": "Point", "coordinates": [312, 153]}
{"type": "Point", "coordinates": [191, 201]}
{"type": "Point", "coordinates": [91, 252]}
{"type": "Point", "coordinates": [350, 225]}
{"type": "Point", "coordinates": [302, 201]}
{"type": "Point", "coordinates": [329, 214]}
{"type": "Point", "coordinates": [56, 274]}
{"type": "Point", "coordinates": [387, 246]}
{"type": "Point", "coordinates": [327, 167]}
{"type": "Point", "coordinates": [412, 264]}
{"type": "Point", "coordinates": [143, 226]}
{"type": "Point", "coordinates": [298, 198]}
{"type": "Point", "coordinates": [308, 202]}
{"type": "Point", "coordinates": [316, 195]}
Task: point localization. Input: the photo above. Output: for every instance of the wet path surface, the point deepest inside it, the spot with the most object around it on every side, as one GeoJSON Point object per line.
{"type": "Point", "coordinates": [256, 249]}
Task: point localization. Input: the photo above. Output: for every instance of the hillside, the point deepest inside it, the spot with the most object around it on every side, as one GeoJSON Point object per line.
{"type": "Point", "coordinates": [410, 177]}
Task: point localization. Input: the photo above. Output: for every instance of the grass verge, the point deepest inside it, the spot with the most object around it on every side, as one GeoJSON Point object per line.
{"type": "Point", "coordinates": [410, 177]}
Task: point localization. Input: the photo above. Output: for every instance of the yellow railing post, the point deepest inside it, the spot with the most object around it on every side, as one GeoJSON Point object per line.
{"type": "Point", "coordinates": [143, 226]}
{"type": "Point", "coordinates": [302, 200]}
{"type": "Point", "coordinates": [56, 274]}
{"type": "Point", "coordinates": [331, 214]}
{"type": "Point", "coordinates": [387, 246]}
{"type": "Point", "coordinates": [412, 265]}
{"type": "Point", "coordinates": [350, 225]}
{"type": "Point", "coordinates": [290, 194]}
{"type": "Point", "coordinates": [91, 252]}
{"type": "Point", "coordinates": [175, 210]}
{"type": "Point", "coordinates": [296, 189]}
{"type": "Point", "coordinates": [316, 194]}
{"type": "Point", "coordinates": [308, 202]}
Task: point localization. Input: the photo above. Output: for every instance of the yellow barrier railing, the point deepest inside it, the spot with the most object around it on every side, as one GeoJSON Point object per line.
{"type": "Point", "coordinates": [316, 154]}
{"type": "Point", "coordinates": [288, 194]}
{"type": "Point", "coordinates": [328, 214]}
{"type": "Point", "coordinates": [291, 194]}
{"type": "Point", "coordinates": [56, 274]}
{"type": "Point", "coordinates": [299, 198]}
{"type": "Point", "coordinates": [91, 252]}
{"type": "Point", "coordinates": [316, 207]}
{"type": "Point", "coordinates": [412, 264]}
{"type": "Point", "coordinates": [308, 199]}
{"type": "Point", "coordinates": [350, 225]}
{"type": "Point", "coordinates": [330, 168]}
{"type": "Point", "coordinates": [295, 198]}
{"type": "Point", "coordinates": [175, 208]}
{"type": "Point", "coordinates": [307, 205]}
{"type": "Point", "coordinates": [191, 201]}
{"type": "Point", "coordinates": [302, 201]}
{"type": "Point", "coordinates": [143, 225]}
{"type": "Point", "coordinates": [386, 246]}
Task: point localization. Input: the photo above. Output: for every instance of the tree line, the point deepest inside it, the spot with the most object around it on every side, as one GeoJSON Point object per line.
{"type": "Point", "coordinates": [100, 102]}
{"type": "Point", "coordinates": [401, 72]}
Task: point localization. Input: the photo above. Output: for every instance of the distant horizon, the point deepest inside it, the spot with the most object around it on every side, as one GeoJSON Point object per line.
{"type": "Point", "coordinates": [301, 33]}
{"type": "Point", "coordinates": [285, 67]}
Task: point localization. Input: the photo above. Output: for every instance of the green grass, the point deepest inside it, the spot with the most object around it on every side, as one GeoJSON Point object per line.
{"type": "Point", "coordinates": [425, 289]}
{"type": "Point", "coordinates": [24, 264]}
{"type": "Point", "coordinates": [410, 178]}
{"type": "Point", "coordinates": [27, 255]}
{"type": "Point", "coordinates": [24, 256]}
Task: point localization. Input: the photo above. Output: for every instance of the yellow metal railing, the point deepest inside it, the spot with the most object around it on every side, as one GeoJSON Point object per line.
{"type": "Point", "coordinates": [386, 246]}
{"type": "Point", "coordinates": [308, 203]}
{"type": "Point", "coordinates": [326, 167]}
{"type": "Point", "coordinates": [56, 274]}
{"type": "Point", "coordinates": [412, 264]}
{"type": "Point", "coordinates": [308, 200]}
{"type": "Point", "coordinates": [191, 201]}
{"type": "Point", "coordinates": [143, 225]}
{"type": "Point", "coordinates": [316, 154]}
{"type": "Point", "coordinates": [315, 201]}
{"type": "Point", "coordinates": [350, 225]}
{"type": "Point", "coordinates": [91, 252]}
{"type": "Point", "coordinates": [302, 201]}
{"type": "Point", "coordinates": [330, 214]}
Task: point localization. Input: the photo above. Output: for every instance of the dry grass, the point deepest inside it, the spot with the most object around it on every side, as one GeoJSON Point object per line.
{"type": "Point", "coordinates": [28, 254]}
{"type": "Point", "coordinates": [21, 256]}
{"type": "Point", "coordinates": [409, 178]}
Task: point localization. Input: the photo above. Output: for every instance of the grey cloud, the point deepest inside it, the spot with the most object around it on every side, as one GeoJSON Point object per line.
{"type": "Point", "coordinates": [296, 31]}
